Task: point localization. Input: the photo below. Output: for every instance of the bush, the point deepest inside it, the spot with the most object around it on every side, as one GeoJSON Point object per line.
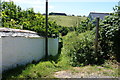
{"type": "Point", "coordinates": [110, 38]}
{"type": "Point", "coordinates": [63, 31]}
{"type": "Point", "coordinates": [110, 35]}
{"type": "Point", "coordinates": [80, 49]}
{"type": "Point", "coordinates": [84, 26]}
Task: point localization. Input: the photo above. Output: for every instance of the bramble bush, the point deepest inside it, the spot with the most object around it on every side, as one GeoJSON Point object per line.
{"type": "Point", "coordinates": [80, 49]}
{"type": "Point", "coordinates": [110, 35]}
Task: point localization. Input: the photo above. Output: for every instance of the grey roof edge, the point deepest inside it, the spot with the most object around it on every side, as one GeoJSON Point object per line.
{"type": "Point", "coordinates": [4, 29]}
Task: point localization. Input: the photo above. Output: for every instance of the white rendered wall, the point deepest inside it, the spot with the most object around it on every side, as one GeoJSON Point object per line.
{"type": "Point", "coordinates": [53, 46]}
{"type": "Point", "coordinates": [0, 58]}
{"type": "Point", "coordinates": [21, 50]}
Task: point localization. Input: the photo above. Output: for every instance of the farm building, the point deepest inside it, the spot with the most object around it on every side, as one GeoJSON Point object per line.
{"type": "Point", "coordinates": [19, 47]}
{"type": "Point", "coordinates": [93, 15]}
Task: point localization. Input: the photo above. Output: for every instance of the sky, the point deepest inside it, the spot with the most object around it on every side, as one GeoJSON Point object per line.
{"type": "Point", "coordinates": [76, 7]}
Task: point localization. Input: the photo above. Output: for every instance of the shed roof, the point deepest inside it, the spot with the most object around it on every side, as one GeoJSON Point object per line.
{"type": "Point", "coordinates": [17, 32]}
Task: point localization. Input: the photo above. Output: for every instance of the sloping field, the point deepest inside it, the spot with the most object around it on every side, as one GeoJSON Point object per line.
{"type": "Point", "coordinates": [67, 21]}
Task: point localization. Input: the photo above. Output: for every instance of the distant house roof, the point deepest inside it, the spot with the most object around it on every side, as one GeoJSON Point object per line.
{"type": "Point", "coordinates": [17, 32]}
{"type": "Point", "coordinates": [93, 15]}
{"type": "Point", "coordinates": [119, 3]}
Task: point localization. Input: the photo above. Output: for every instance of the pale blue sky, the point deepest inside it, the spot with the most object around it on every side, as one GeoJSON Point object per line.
{"type": "Point", "coordinates": [76, 7]}
{"type": "Point", "coordinates": [83, 8]}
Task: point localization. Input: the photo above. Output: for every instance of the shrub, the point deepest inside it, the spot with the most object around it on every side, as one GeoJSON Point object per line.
{"type": "Point", "coordinates": [84, 26]}
{"type": "Point", "coordinates": [80, 49]}
{"type": "Point", "coordinates": [110, 35]}
{"type": "Point", "coordinates": [63, 31]}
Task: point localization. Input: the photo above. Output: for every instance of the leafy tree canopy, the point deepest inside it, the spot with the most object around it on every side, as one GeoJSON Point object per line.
{"type": "Point", "coordinates": [14, 17]}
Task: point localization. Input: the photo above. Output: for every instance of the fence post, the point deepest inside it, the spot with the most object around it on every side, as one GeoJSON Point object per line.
{"type": "Point", "coordinates": [97, 34]}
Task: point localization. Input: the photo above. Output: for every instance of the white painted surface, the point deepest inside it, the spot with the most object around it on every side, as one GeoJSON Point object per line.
{"type": "Point", "coordinates": [0, 58]}
{"type": "Point", "coordinates": [53, 46]}
{"type": "Point", "coordinates": [21, 50]}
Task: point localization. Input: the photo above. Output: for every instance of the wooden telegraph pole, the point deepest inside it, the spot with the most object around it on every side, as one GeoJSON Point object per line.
{"type": "Point", "coordinates": [46, 38]}
{"type": "Point", "coordinates": [97, 34]}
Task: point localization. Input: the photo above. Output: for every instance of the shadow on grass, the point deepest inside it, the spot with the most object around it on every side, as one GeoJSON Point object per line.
{"type": "Point", "coordinates": [13, 72]}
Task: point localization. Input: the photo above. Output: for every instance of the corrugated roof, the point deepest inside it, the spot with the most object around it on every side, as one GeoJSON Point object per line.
{"type": "Point", "coordinates": [17, 32]}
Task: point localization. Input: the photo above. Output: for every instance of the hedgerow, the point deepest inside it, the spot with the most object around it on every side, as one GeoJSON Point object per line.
{"type": "Point", "coordinates": [110, 34]}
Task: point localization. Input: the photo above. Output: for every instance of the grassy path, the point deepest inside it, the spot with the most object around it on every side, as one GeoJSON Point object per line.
{"type": "Point", "coordinates": [103, 71]}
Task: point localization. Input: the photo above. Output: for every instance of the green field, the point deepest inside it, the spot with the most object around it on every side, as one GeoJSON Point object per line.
{"type": "Point", "coordinates": [67, 21]}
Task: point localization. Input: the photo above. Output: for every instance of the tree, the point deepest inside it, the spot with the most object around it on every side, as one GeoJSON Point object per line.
{"type": "Point", "coordinates": [14, 17]}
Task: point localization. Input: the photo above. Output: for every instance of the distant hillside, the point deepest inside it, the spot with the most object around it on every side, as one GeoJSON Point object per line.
{"type": "Point", "coordinates": [68, 21]}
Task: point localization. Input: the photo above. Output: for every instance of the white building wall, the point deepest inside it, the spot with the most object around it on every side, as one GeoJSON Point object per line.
{"type": "Point", "coordinates": [21, 50]}
{"type": "Point", "coordinates": [0, 58]}
{"type": "Point", "coordinates": [53, 46]}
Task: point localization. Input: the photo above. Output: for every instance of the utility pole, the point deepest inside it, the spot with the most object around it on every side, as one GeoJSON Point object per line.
{"type": "Point", "coordinates": [46, 38]}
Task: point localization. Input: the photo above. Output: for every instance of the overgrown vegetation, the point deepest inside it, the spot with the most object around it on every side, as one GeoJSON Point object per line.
{"type": "Point", "coordinates": [81, 46]}
{"type": "Point", "coordinates": [85, 25]}
{"type": "Point", "coordinates": [110, 35]}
